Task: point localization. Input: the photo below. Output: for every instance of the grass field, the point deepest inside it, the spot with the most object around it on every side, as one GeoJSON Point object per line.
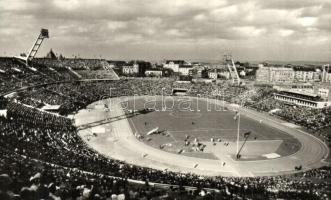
{"type": "Point", "coordinates": [202, 120]}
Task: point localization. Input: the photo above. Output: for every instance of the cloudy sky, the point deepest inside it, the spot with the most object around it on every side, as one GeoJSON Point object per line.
{"type": "Point", "coordinates": [181, 29]}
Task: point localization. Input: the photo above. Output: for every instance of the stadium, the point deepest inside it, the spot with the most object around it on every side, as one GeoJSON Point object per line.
{"type": "Point", "coordinates": [73, 127]}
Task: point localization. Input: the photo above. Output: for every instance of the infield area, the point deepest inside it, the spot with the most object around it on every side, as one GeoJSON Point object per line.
{"type": "Point", "coordinates": [197, 135]}
{"type": "Point", "coordinates": [183, 120]}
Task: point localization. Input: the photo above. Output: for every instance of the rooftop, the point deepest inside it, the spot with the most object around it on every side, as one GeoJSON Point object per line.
{"type": "Point", "coordinates": [181, 62]}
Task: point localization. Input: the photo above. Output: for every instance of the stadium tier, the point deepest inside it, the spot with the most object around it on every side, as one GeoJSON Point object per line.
{"type": "Point", "coordinates": [42, 156]}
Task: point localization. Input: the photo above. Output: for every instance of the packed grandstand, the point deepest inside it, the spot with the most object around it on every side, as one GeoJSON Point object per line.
{"type": "Point", "coordinates": [43, 157]}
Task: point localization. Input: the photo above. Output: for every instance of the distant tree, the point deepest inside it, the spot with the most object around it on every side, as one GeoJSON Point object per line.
{"type": "Point", "coordinates": [238, 63]}
{"type": "Point", "coordinates": [246, 64]}
{"type": "Point", "coordinates": [61, 57]}
{"type": "Point", "coordinates": [204, 73]}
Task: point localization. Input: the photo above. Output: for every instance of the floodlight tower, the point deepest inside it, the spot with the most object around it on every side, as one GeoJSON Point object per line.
{"type": "Point", "coordinates": [232, 69]}
{"type": "Point", "coordinates": [43, 34]}
{"type": "Point", "coordinates": [33, 51]}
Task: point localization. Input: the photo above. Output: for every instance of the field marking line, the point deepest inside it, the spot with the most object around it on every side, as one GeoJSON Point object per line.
{"type": "Point", "coordinates": [134, 126]}
{"type": "Point", "coordinates": [183, 131]}
{"type": "Point", "coordinates": [172, 136]}
{"type": "Point", "coordinates": [323, 144]}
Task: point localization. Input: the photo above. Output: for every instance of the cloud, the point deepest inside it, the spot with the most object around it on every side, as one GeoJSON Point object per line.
{"type": "Point", "coordinates": [285, 32]}
{"type": "Point", "coordinates": [127, 28]}
{"type": "Point", "coordinates": [289, 4]}
{"type": "Point", "coordinates": [116, 25]}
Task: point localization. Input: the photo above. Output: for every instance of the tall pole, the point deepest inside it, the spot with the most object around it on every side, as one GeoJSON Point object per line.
{"type": "Point", "coordinates": [238, 126]}
{"type": "Point", "coordinates": [163, 107]}
{"type": "Point", "coordinates": [238, 132]}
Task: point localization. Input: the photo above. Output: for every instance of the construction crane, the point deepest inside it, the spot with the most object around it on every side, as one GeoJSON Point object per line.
{"type": "Point", "coordinates": [33, 51]}
{"type": "Point", "coordinates": [232, 69]}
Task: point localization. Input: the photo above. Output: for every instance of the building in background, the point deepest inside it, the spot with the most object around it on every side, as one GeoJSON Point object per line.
{"type": "Point", "coordinates": [307, 74]}
{"type": "Point", "coordinates": [212, 74]}
{"type": "Point", "coordinates": [130, 69]}
{"type": "Point", "coordinates": [174, 64]}
{"type": "Point", "coordinates": [327, 77]}
{"type": "Point", "coordinates": [185, 70]}
{"type": "Point", "coordinates": [324, 93]}
{"type": "Point", "coordinates": [275, 74]}
{"type": "Point", "coordinates": [292, 74]}
{"type": "Point", "coordinates": [136, 68]}
{"type": "Point", "coordinates": [326, 74]}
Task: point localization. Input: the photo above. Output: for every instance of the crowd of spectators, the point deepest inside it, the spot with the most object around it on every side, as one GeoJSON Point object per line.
{"type": "Point", "coordinates": [73, 63]}
{"type": "Point", "coordinates": [29, 179]}
{"type": "Point", "coordinates": [79, 68]}
{"type": "Point", "coordinates": [3, 102]}
{"type": "Point", "coordinates": [30, 134]}
{"type": "Point", "coordinates": [14, 74]}
{"type": "Point", "coordinates": [70, 95]}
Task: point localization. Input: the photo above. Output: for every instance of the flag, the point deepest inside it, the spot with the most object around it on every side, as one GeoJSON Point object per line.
{"type": "Point", "coordinates": [236, 116]}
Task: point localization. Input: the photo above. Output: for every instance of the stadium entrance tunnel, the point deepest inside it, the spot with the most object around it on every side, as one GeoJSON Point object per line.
{"type": "Point", "coordinates": [179, 91]}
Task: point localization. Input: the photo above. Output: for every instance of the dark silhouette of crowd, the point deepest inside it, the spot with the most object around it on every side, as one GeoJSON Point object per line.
{"type": "Point", "coordinates": [14, 74]}
{"type": "Point", "coordinates": [74, 63]}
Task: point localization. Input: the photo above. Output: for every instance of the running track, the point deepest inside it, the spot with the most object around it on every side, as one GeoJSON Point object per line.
{"type": "Point", "coordinates": [119, 142]}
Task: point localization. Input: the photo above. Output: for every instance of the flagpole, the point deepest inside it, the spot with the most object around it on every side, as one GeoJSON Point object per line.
{"type": "Point", "coordinates": [238, 127]}
{"type": "Point", "coordinates": [238, 130]}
